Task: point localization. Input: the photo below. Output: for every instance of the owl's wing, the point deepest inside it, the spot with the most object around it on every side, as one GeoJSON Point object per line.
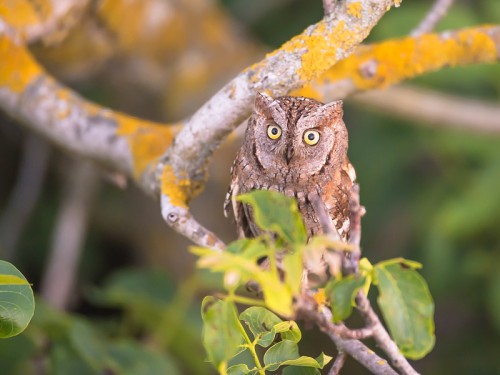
{"type": "Point", "coordinates": [240, 210]}
{"type": "Point", "coordinates": [231, 203]}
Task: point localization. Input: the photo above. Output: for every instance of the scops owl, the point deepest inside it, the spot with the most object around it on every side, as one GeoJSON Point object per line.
{"type": "Point", "coordinates": [297, 146]}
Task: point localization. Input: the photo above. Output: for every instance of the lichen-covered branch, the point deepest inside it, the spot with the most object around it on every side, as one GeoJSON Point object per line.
{"type": "Point", "coordinates": [45, 20]}
{"type": "Point", "coordinates": [118, 141]}
{"type": "Point", "coordinates": [383, 64]}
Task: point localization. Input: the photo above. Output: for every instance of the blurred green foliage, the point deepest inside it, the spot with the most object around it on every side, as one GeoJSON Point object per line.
{"type": "Point", "coordinates": [431, 195]}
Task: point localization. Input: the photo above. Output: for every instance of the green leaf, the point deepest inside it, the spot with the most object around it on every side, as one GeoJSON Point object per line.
{"type": "Point", "coordinates": [303, 361]}
{"type": "Point", "coordinates": [265, 325]}
{"type": "Point", "coordinates": [17, 304]}
{"type": "Point", "coordinates": [16, 354]}
{"type": "Point", "coordinates": [131, 358]}
{"type": "Point", "coordinates": [285, 350]}
{"type": "Point", "coordinates": [286, 353]}
{"type": "Point", "coordinates": [294, 266]}
{"type": "Point", "coordinates": [289, 330]}
{"type": "Point", "coordinates": [323, 360]}
{"type": "Point", "coordinates": [222, 336]}
{"type": "Point", "coordinates": [64, 360]}
{"type": "Point", "coordinates": [249, 248]}
{"type": "Point", "coordinates": [298, 370]}
{"type": "Point", "coordinates": [277, 295]}
{"type": "Point", "coordinates": [407, 306]}
{"type": "Point", "coordinates": [277, 213]}
{"type": "Point", "coordinates": [241, 369]}
{"type": "Point", "coordinates": [261, 323]}
{"type": "Point", "coordinates": [342, 293]}
{"type": "Point", "coordinates": [130, 287]}
{"type": "Point", "coordinates": [402, 261]}
{"type": "Point", "coordinates": [88, 344]}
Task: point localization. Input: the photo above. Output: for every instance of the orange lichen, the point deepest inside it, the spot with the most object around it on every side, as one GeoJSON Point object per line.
{"type": "Point", "coordinates": [395, 60]}
{"type": "Point", "coordinates": [320, 48]}
{"type": "Point", "coordinates": [19, 14]}
{"type": "Point", "coordinates": [320, 297]}
{"type": "Point", "coordinates": [148, 141]}
{"type": "Point", "coordinates": [151, 28]}
{"type": "Point", "coordinates": [354, 9]}
{"type": "Point", "coordinates": [307, 91]}
{"type": "Point", "coordinates": [17, 67]}
{"type": "Point", "coordinates": [177, 189]}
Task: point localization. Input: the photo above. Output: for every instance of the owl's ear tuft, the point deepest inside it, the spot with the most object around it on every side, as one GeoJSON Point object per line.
{"type": "Point", "coordinates": [262, 101]}
{"type": "Point", "coordinates": [333, 108]}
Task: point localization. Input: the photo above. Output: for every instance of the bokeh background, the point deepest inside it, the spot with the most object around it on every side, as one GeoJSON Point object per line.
{"type": "Point", "coordinates": [431, 195]}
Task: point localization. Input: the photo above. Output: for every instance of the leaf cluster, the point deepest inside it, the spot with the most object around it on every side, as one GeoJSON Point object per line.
{"type": "Point", "coordinates": [404, 297]}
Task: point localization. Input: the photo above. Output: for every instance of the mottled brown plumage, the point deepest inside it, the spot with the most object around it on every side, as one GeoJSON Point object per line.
{"type": "Point", "coordinates": [297, 146]}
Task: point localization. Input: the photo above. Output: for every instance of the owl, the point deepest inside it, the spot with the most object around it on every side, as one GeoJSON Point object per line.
{"type": "Point", "coordinates": [296, 146]}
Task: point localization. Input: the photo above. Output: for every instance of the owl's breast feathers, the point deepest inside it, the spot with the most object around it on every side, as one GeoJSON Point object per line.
{"type": "Point", "coordinates": [332, 185]}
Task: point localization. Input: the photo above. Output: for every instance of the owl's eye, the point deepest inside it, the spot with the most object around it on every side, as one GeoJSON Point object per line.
{"type": "Point", "coordinates": [311, 137]}
{"type": "Point", "coordinates": [273, 131]}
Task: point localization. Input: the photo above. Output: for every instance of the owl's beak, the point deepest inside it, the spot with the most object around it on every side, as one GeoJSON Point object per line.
{"type": "Point", "coordinates": [289, 154]}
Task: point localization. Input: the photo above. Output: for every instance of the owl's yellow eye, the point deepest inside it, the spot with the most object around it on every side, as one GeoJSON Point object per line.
{"type": "Point", "coordinates": [273, 131]}
{"type": "Point", "coordinates": [311, 137]}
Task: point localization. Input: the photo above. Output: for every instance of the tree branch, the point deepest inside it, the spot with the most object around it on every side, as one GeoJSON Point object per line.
{"type": "Point", "coordinates": [46, 23]}
{"type": "Point", "coordinates": [438, 11]}
{"type": "Point", "coordinates": [68, 236]}
{"type": "Point", "coordinates": [377, 66]}
{"type": "Point", "coordinates": [381, 336]}
{"type": "Point", "coordinates": [433, 108]}
{"type": "Point", "coordinates": [329, 7]}
{"type": "Point", "coordinates": [121, 142]}
{"type": "Point", "coordinates": [25, 193]}
{"type": "Point", "coordinates": [355, 348]}
{"type": "Point", "coordinates": [338, 364]}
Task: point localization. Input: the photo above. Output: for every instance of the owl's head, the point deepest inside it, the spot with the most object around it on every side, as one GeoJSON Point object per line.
{"type": "Point", "coordinates": [296, 134]}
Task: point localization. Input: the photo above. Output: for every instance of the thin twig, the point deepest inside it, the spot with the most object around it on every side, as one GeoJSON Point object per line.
{"type": "Point", "coordinates": [68, 236]}
{"type": "Point", "coordinates": [329, 7]}
{"type": "Point", "coordinates": [438, 11]}
{"type": "Point", "coordinates": [355, 348]}
{"type": "Point", "coordinates": [381, 336]}
{"type": "Point", "coordinates": [338, 364]}
{"type": "Point", "coordinates": [432, 108]}
{"type": "Point", "coordinates": [24, 196]}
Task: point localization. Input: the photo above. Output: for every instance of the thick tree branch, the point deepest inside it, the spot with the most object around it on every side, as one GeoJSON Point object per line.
{"type": "Point", "coordinates": [124, 143]}
{"type": "Point", "coordinates": [433, 108]}
{"type": "Point", "coordinates": [379, 66]}
{"type": "Point", "coordinates": [45, 20]}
